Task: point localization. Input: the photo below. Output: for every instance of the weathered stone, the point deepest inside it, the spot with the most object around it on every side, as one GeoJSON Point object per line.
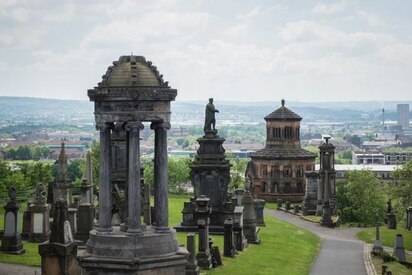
{"type": "Point", "coordinates": [59, 253]}
{"type": "Point", "coordinates": [409, 218]}
{"type": "Point", "coordinates": [73, 219]}
{"type": "Point", "coordinates": [239, 195]}
{"type": "Point", "coordinates": [377, 245]}
{"type": "Point", "coordinates": [40, 225]}
{"type": "Point", "coordinates": [85, 211]}
{"type": "Point", "coordinates": [249, 222]}
{"type": "Point", "coordinates": [203, 210]}
{"type": "Point", "coordinates": [191, 267]}
{"type": "Point", "coordinates": [296, 209]}
{"type": "Point", "coordinates": [279, 204]}
{"type": "Point", "coordinates": [229, 242]}
{"type": "Point", "coordinates": [391, 221]}
{"type": "Point", "coordinates": [26, 222]}
{"type": "Point", "coordinates": [259, 207]}
{"type": "Point", "coordinates": [310, 200]}
{"type": "Point", "coordinates": [240, 240]}
{"type": "Point", "coordinates": [216, 258]}
{"type": "Point", "coordinates": [11, 240]}
{"type": "Point", "coordinates": [287, 205]}
{"type": "Point", "coordinates": [146, 206]}
{"type": "Point", "coordinates": [399, 249]}
{"type": "Point", "coordinates": [62, 187]}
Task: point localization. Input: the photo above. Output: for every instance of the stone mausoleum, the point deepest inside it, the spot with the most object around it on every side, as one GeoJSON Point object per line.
{"type": "Point", "coordinates": [278, 170]}
{"type": "Point", "coordinates": [132, 92]}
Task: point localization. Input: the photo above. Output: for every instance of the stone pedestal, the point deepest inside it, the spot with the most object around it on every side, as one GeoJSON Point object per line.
{"type": "Point", "coordinates": [203, 256]}
{"type": "Point", "coordinates": [26, 223]}
{"type": "Point", "coordinates": [287, 205]}
{"type": "Point", "coordinates": [391, 221]}
{"type": "Point", "coordinates": [210, 176]}
{"type": "Point", "coordinates": [85, 222]}
{"type": "Point", "coordinates": [40, 225]}
{"type": "Point", "coordinates": [240, 240]}
{"type": "Point", "coordinates": [311, 193]}
{"type": "Point", "coordinates": [296, 209]}
{"type": "Point", "coordinates": [11, 241]}
{"type": "Point", "coordinates": [249, 221]}
{"type": "Point", "coordinates": [319, 209]}
{"type": "Point", "coordinates": [229, 244]}
{"type": "Point", "coordinates": [279, 204]}
{"type": "Point", "coordinates": [58, 255]}
{"type": "Point", "coordinates": [259, 207]}
{"type": "Point", "coordinates": [409, 218]}
{"type": "Point", "coordinates": [191, 267]}
{"type": "Point", "coordinates": [326, 219]}
{"type": "Point", "coordinates": [399, 249]}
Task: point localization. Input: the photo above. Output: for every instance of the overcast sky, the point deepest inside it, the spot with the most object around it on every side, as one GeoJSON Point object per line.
{"type": "Point", "coordinates": [230, 50]}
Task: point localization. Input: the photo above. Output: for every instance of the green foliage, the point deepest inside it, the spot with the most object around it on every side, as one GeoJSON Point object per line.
{"type": "Point", "coordinates": [360, 197]}
{"type": "Point", "coordinates": [387, 236]}
{"type": "Point", "coordinates": [24, 152]}
{"type": "Point", "coordinates": [76, 169]}
{"type": "Point", "coordinates": [237, 172]}
{"type": "Point", "coordinates": [401, 190]}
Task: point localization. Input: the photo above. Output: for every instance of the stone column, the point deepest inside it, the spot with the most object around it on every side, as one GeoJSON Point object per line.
{"type": "Point", "coordinates": [89, 175]}
{"type": "Point", "coordinates": [105, 188]}
{"type": "Point", "coordinates": [133, 178]}
{"type": "Point", "coordinates": [161, 178]}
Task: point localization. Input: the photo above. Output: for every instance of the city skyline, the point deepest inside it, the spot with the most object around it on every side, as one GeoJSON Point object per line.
{"type": "Point", "coordinates": [313, 51]}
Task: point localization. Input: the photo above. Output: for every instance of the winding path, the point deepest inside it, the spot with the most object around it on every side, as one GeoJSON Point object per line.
{"type": "Point", "coordinates": [341, 253]}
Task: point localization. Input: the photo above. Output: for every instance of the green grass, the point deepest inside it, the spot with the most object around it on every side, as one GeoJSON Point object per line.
{"type": "Point", "coordinates": [394, 267]}
{"type": "Point", "coordinates": [284, 248]}
{"type": "Point", "coordinates": [387, 236]}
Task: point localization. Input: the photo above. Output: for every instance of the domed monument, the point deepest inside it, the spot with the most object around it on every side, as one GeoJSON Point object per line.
{"type": "Point", "coordinates": [132, 91]}
{"type": "Point", "coordinates": [278, 170]}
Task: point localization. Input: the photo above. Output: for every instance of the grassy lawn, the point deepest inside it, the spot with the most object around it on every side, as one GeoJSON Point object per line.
{"type": "Point", "coordinates": [387, 236]}
{"type": "Point", "coordinates": [394, 266]}
{"type": "Point", "coordinates": [284, 248]}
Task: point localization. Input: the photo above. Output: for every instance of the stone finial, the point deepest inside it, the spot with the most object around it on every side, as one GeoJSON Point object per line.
{"type": "Point", "coordinates": [40, 198]}
{"type": "Point", "coordinates": [283, 102]}
{"type": "Point", "coordinates": [62, 162]}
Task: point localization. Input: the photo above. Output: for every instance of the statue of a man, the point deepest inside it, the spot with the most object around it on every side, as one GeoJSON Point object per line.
{"type": "Point", "coordinates": [210, 120]}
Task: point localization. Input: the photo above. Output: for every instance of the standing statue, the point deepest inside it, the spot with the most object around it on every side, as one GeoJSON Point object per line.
{"type": "Point", "coordinates": [210, 120]}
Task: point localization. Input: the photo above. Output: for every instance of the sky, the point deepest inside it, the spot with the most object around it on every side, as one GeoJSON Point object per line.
{"type": "Point", "coordinates": [231, 50]}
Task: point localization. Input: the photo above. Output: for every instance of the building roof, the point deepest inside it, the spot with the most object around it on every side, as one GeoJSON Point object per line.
{"type": "Point", "coordinates": [283, 153]}
{"type": "Point", "coordinates": [283, 113]}
{"type": "Point", "coordinates": [371, 167]}
{"type": "Point", "coordinates": [132, 71]}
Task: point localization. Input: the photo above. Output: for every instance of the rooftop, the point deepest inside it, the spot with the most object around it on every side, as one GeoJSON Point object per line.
{"type": "Point", "coordinates": [283, 113]}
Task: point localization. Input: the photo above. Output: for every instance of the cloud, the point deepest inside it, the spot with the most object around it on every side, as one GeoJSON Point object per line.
{"type": "Point", "coordinates": [329, 8]}
{"type": "Point", "coordinates": [372, 19]}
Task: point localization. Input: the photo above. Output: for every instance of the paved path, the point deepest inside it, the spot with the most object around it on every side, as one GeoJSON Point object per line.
{"type": "Point", "coordinates": [13, 269]}
{"type": "Point", "coordinates": [341, 253]}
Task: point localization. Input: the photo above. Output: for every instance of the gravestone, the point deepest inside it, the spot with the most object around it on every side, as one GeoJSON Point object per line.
{"type": "Point", "coordinates": [26, 222]}
{"type": "Point", "coordinates": [85, 219]}
{"type": "Point", "coordinates": [191, 267]}
{"type": "Point", "coordinates": [58, 255]}
{"type": "Point", "coordinates": [239, 195]}
{"type": "Point", "coordinates": [391, 220]}
{"type": "Point", "coordinates": [215, 252]}
{"type": "Point", "coordinates": [240, 240]}
{"type": "Point", "coordinates": [204, 258]}
{"type": "Point", "coordinates": [11, 240]}
{"type": "Point", "coordinates": [409, 218]}
{"type": "Point", "coordinates": [311, 193]}
{"type": "Point", "coordinates": [259, 207]}
{"type": "Point", "coordinates": [249, 221]}
{"type": "Point", "coordinates": [296, 209]}
{"type": "Point", "coordinates": [377, 245]}
{"type": "Point", "coordinates": [40, 225]}
{"type": "Point", "coordinates": [399, 249]}
{"type": "Point", "coordinates": [229, 244]}
{"type": "Point", "coordinates": [287, 205]}
{"type": "Point", "coordinates": [279, 204]}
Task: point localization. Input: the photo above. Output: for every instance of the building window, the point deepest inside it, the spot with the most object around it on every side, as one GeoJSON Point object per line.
{"type": "Point", "coordinates": [264, 171]}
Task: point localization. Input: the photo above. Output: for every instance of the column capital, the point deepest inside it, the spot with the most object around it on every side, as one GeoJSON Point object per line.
{"type": "Point", "coordinates": [133, 126]}
{"type": "Point", "coordinates": [104, 126]}
{"type": "Point", "coordinates": [157, 125]}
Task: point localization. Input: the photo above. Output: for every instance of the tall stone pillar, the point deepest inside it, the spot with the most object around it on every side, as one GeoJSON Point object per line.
{"type": "Point", "coordinates": [161, 177]}
{"type": "Point", "coordinates": [320, 198]}
{"type": "Point", "coordinates": [105, 188]}
{"type": "Point", "coordinates": [133, 178]}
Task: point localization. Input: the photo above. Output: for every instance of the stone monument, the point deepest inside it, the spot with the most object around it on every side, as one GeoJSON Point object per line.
{"type": "Point", "coordinates": [203, 210]}
{"type": "Point", "coordinates": [240, 240]}
{"type": "Point", "coordinates": [259, 207]}
{"type": "Point", "coordinates": [249, 220]}
{"type": "Point", "coordinates": [327, 182]}
{"type": "Point", "coordinates": [409, 218]}
{"type": "Point", "coordinates": [310, 201]}
{"type": "Point", "coordinates": [391, 217]}
{"type": "Point", "coordinates": [399, 249]}
{"type": "Point", "coordinates": [191, 267]}
{"type": "Point", "coordinates": [210, 176]}
{"type": "Point", "coordinates": [377, 245]}
{"type": "Point", "coordinates": [132, 92]}
{"type": "Point", "coordinates": [58, 255]}
{"type": "Point", "coordinates": [40, 225]}
{"type": "Point", "coordinates": [26, 222]}
{"type": "Point", "coordinates": [229, 249]}
{"type": "Point", "coordinates": [11, 240]}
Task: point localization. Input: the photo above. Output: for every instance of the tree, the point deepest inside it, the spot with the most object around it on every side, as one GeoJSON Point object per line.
{"type": "Point", "coordinates": [360, 197]}
{"type": "Point", "coordinates": [76, 169]}
{"type": "Point", "coordinates": [237, 172]}
{"type": "Point", "coordinates": [23, 152]}
{"type": "Point", "coordinates": [401, 190]}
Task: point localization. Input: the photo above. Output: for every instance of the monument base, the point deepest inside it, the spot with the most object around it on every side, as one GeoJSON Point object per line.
{"type": "Point", "coordinates": [118, 253]}
{"type": "Point", "coordinates": [12, 245]}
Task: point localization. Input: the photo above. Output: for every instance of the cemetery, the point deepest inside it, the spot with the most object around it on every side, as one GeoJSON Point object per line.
{"type": "Point", "coordinates": [124, 226]}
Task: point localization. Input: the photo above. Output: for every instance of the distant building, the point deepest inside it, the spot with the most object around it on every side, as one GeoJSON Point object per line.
{"type": "Point", "coordinates": [368, 158]}
{"type": "Point", "coordinates": [383, 172]}
{"type": "Point", "coordinates": [396, 158]}
{"type": "Point", "coordinates": [403, 115]}
{"type": "Point", "coordinates": [340, 144]}
{"type": "Point", "coordinates": [278, 170]}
